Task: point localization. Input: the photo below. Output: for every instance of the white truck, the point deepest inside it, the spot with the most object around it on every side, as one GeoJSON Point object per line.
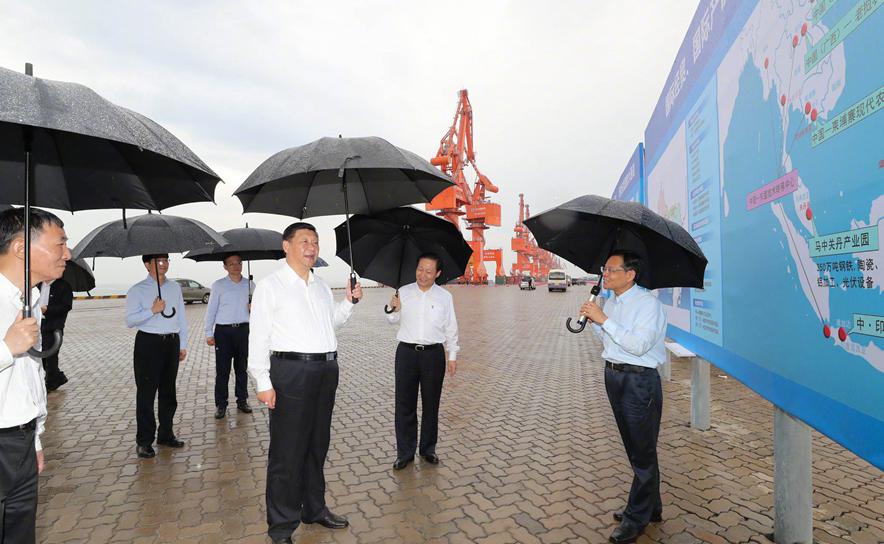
{"type": "Point", "coordinates": [557, 280]}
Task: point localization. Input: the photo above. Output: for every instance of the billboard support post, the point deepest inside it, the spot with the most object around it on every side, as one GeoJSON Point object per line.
{"type": "Point", "coordinates": [700, 393]}
{"type": "Point", "coordinates": [793, 485]}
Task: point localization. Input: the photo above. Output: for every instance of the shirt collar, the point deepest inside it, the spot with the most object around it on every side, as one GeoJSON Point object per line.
{"type": "Point", "coordinates": [629, 293]}
{"type": "Point", "coordinates": [10, 290]}
{"type": "Point", "coordinates": [293, 276]}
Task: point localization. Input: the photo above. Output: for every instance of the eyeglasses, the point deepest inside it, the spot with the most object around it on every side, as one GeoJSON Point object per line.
{"type": "Point", "coordinates": [608, 270]}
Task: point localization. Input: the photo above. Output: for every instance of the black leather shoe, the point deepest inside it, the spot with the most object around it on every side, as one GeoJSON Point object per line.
{"type": "Point", "coordinates": [171, 442]}
{"type": "Point", "coordinates": [286, 540]}
{"type": "Point", "coordinates": [402, 463]}
{"type": "Point", "coordinates": [656, 517]}
{"type": "Point", "coordinates": [53, 384]}
{"type": "Point", "coordinates": [220, 412]}
{"type": "Point", "coordinates": [431, 458]}
{"type": "Point", "coordinates": [244, 407]}
{"type": "Point", "coordinates": [145, 452]}
{"type": "Point", "coordinates": [331, 521]}
{"type": "Point", "coordinates": [626, 533]}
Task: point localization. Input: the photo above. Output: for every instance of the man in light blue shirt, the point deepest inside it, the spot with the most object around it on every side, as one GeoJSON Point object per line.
{"type": "Point", "coordinates": [632, 327]}
{"type": "Point", "coordinates": [227, 328]}
{"type": "Point", "coordinates": [161, 343]}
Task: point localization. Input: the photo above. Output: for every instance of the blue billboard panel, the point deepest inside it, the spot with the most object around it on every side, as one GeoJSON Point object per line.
{"type": "Point", "coordinates": [766, 146]}
{"type": "Point", "coordinates": [630, 186]}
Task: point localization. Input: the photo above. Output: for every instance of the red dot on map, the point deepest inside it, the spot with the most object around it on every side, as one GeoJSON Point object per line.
{"type": "Point", "coordinates": [795, 41]}
{"type": "Point", "coordinates": [842, 334]}
{"type": "Point", "coordinates": [804, 29]}
{"type": "Point", "coordinates": [827, 332]}
{"type": "Point", "coordinates": [813, 114]}
{"type": "Point", "coordinates": [766, 62]}
{"type": "Point", "coordinates": [782, 100]}
{"type": "Point", "coordinates": [808, 214]}
{"type": "Point", "coordinates": [806, 108]}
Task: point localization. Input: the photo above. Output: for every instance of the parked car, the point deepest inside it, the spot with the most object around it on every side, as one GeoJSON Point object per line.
{"type": "Point", "coordinates": [527, 283]}
{"type": "Point", "coordinates": [193, 291]}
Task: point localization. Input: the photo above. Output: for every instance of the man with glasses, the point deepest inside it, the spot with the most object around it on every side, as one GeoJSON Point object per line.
{"type": "Point", "coordinates": [633, 327]}
{"type": "Point", "coordinates": [161, 343]}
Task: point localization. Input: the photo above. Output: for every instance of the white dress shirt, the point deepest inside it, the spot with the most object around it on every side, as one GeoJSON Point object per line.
{"type": "Point", "coordinates": [635, 329]}
{"type": "Point", "coordinates": [426, 317]}
{"type": "Point", "coordinates": [22, 381]}
{"type": "Point", "coordinates": [289, 314]}
{"type": "Point", "coordinates": [139, 300]}
{"type": "Point", "coordinates": [228, 303]}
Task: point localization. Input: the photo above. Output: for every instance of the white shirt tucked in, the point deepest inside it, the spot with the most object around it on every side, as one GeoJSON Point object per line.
{"type": "Point", "coordinates": [426, 317]}
{"type": "Point", "coordinates": [635, 329]}
{"type": "Point", "coordinates": [22, 381]}
{"type": "Point", "coordinates": [289, 314]}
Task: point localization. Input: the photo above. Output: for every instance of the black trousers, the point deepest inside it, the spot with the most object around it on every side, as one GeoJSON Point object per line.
{"type": "Point", "coordinates": [18, 487]}
{"type": "Point", "coordinates": [50, 364]}
{"type": "Point", "coordinates": [231, 345]}
{"type": "Point", "coordinates": [156, 369]}
{"type": "Point", "coordinates": [637, 401]}
{"type": "Point", "coordinates": [424, 370]}
{"type": "Point", "coordinates": [300, 431]}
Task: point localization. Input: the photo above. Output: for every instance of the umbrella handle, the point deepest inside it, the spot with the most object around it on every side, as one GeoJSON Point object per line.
{"type": "Point", "coordinates": [353, 286]}
{"type": "Point", "coordinates": [389, 310]}
{"type": "Point", "coordinates": [581, 324]}
{"type": "Point", "coordinates": [170, 316]}
{"type": "Point", "coordinates": [56, 345]}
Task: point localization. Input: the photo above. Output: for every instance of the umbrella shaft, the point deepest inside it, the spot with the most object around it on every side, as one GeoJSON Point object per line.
{"type": "Point", "coordinates": [26, 288]}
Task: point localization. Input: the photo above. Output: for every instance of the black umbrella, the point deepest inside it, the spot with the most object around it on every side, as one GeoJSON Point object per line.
{"type": "Point", "coordinates": [63, 146]}
{"type": "Point", "coordinates": [78, 274]}
{"type": "Point", "coordinates": [586, 229]}
{"type": "Point", "coordinates": [386, 245]}
{"type": "Point", "coordinates": [146, 235]}
{"type": "Point", "coordinates": [340, 175]}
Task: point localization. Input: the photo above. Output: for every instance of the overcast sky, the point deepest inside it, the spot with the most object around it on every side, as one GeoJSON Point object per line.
{"type": "Point", "coordinates": [561, 91]}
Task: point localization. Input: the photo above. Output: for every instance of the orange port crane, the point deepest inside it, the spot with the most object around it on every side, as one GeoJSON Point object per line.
{"type": "Point", "coordinates": [530, 259]}
{"type": "Point", "coordinates": [455, 152]}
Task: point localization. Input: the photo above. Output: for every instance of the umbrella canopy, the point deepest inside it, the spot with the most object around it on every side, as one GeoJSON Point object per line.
{"type": "Point", "coordinates": [306, 181]}
{"type": "Point", "coordinates": [586, 229]}
{"type": "Point", "coordinates": [88, 153]}
{"type": "Point", "coordinates": [386, 245]}
{"type": "Point", "coordinates": [145, 235]}
{"type": "Point", "coordinates": [78, 274]}
{"type": "Point", "coordinates": [249, 243]}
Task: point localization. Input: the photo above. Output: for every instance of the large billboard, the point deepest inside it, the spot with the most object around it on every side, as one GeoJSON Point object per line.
{"type": "Point", "coordinates": [631, 185]}
{"type": "Point", "coordinates": [767, 144]}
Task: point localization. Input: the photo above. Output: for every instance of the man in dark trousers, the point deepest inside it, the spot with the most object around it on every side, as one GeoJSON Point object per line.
{"type": "Point", "coordinates": [55, 314]}
{"type": "Point", "coordinates": [293, 358]}
{"type": "Point", "coordinates": [227, 329]}
{"type": "Point", "coordinates": [633, 327]}
{"type": "Point", "coordinates": [427, 329]}
{"type": "Point", "coordinates": [160, 345]}
{"type": "Point", "coordinates": [22, 390]}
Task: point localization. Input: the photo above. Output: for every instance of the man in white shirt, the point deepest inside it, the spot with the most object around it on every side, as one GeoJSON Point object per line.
{"type": "Point", "coordinates": [227, 329]}
{"type": "Point", "coordinates": [633, 328]}
{"type": "Point", "coordinates": [293, 358]}
{"type": "Point", "coordinates": [22, 387]}
{"type": "Point", "coordinates": [428, 328]}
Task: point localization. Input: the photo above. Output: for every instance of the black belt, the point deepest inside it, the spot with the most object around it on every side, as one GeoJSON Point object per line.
{"type": "Point", "coordinates": [623, 367]}
{"type": "Point", "coordinates": [421, 347]}
{"type": "Point", "coordinates": [29, 426]}
{"type": "Point", "coordinates": [234, 325]}
{"type": "Point", "coordinates": [298, 356]}
{"type": "Point", "coordinates": [167, 336]}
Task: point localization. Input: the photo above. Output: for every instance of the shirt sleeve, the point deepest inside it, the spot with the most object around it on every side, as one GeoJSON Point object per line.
{"type": "Point", "coordinates": [212, 310]}
{"type": "Point", "coordinates": [451, 332]}
{"type": "Point", "coordinates": [183, 333]}
{"type": "Point", "coordinates": [41, 426]}
{"type": "Point", "coordinates": [260, 323]}
{"type": "Point", "coordinates": [343, 311]}
{"type": "Point", "coordinates": [136, 312]}
{"type": "Point", "coordinates": [640, 338]}
{"type": "Point", "coordinates": [6, 357]}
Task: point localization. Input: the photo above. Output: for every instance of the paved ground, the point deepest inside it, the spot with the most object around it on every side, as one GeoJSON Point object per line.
{"type": "Point", "coordinates": [529, 449]}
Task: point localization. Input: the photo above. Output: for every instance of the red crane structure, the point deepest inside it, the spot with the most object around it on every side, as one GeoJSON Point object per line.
{"type": "Point", "coordinates": [530, 259]}
{"type": "Point", "coordinates": [455, 152]}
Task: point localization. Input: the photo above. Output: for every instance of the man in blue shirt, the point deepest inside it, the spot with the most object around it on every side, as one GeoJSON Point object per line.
{"type": "Point", "coordinates": [227, 328]}
{"type": "Point", "coordinates": [161, 343]}
{"type": "Point", "coordinates": [632, 327]}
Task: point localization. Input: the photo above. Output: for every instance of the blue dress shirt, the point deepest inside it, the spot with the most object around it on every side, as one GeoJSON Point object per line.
{"type": "Point", "coordinates": [140, 298]}
{"type": "Point", "coordinates": [635, 329]}
{"type": "Point", "coordinates": [228, 304]}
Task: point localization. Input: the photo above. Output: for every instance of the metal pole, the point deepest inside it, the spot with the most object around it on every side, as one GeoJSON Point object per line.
{"type": "Point", "coordinates": [793, 482]}
{"type": "Point", "coordinates": [700, 393]}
